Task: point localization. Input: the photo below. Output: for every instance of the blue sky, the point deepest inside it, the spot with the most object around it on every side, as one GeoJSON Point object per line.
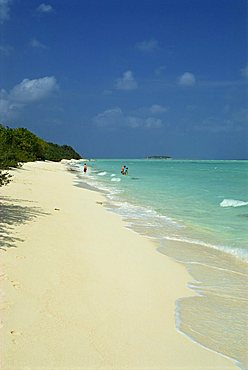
{"type": "Point", "coordinates": [128, 78]}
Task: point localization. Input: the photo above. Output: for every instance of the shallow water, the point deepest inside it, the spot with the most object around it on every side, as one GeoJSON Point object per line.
{"type": "Point", "coordinates": [197, 211]}
{"type": "Point", "coordinates": [207, 200]}
{"type": "Point", "coordinates": [217, 317]}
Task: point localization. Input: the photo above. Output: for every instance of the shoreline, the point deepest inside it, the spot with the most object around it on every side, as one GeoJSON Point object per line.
{"type": "Point", "coordinates": [219, 274]}
{"type": "Point", "coordinates": [189, 219]}
{"type": "Point", "coordinates": [82, 290]}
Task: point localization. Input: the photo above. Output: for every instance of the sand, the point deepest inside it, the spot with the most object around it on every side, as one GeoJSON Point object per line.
{"type": "Point", "coordinates": [81, 291]}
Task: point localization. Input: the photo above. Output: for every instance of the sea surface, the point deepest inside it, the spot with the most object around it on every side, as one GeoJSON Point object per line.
{"type": "Point", "coordinates": [197, 212]}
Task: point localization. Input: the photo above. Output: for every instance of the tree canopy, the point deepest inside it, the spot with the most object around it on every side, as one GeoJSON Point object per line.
{"type": "Point", "coordinates": [18, 145]}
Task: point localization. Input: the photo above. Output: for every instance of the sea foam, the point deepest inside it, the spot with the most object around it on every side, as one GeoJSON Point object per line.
{"type": "Point", "coordinates": [173, 201]}
{"type": "Point", "coordinates": [233, 203]}
{"type": "Point", "coordinates": [102, 173]}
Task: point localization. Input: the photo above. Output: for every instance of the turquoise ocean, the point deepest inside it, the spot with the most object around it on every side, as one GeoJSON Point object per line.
{"type": "Point", "coordinates": [197, 213]}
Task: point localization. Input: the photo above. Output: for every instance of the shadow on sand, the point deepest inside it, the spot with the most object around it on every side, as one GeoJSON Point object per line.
{"type": "Point", "coordinates": [14, 212]}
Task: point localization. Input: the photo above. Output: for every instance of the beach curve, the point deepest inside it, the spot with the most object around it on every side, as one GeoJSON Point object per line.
{"type": "Point", "coordinates": [82, 291]}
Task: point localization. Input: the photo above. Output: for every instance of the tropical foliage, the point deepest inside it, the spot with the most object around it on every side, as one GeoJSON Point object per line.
{"type": "Point", "coordinates": [19, 145]}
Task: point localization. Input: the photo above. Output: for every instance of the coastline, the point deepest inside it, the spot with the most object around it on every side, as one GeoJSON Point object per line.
{"type": "Point", "coordinates": [81, 290]}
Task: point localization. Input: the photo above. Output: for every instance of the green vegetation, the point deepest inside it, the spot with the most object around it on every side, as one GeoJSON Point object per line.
{"type": "Point", "coordinates": [55, 152]}
{"type": "Point", "coordinates": [4, 178]}
{"type": "Point", "coordinates": [20, 145]}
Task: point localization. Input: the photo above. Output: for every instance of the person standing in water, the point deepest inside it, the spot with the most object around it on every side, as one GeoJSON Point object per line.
{"type": "Point", "coordinates": [123, 170]}
{"type": "Point", "coordinates": [85, 168]}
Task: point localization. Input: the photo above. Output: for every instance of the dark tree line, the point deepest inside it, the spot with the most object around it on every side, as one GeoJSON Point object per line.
{"type": "Point", "coordinates": [18, 145]}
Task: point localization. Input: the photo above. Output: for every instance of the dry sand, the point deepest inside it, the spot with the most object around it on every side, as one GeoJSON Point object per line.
{"type": "Point", "coordinates": [81, 291]}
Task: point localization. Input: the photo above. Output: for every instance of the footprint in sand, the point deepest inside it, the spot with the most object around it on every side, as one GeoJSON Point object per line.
{"type": "Point", "coordinates": [3, 277]}
{"type": "Point", "coordinates": [20, 257]}
{"type": "Point", "coordinates": [15, 284]}
{"type": "Point", "coordinates": [15, 334]}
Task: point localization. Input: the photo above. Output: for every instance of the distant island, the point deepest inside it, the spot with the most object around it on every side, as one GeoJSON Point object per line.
{"type": "Point", "coordinates": [158, 157]}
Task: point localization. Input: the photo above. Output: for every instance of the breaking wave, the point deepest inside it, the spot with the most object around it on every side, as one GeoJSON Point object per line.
{"type": "Point", "coordinates": [102, 173]}
{"type": "Point", "coordinates": [233, 203]}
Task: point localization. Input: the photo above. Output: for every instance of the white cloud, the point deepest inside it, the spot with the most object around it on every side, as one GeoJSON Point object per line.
{"type": "Point", "coordinates": [45, 8]}
{"type": "Point", "coordinates": [27, 92]}
{"type": "Point", "coordinates": [187, 79]}
{"type": "Point", "coordinates": [4, 10]}
{"type": "Point", "coordinates": [8, 108]}
{"type": "Point", "coordinates": [147, 46]}
{"type": "Point", "coordinates": [133, 121]}
{"type": "Point", "coordinates": [244, 71]}
{"type": "Point", "coordinates": [115, 118]}
{"type": "Point", "coordinates": [156, 109]}
{"type": "Point", "coordinates": [215, 125]}
{"type": "Point", "coordinates": [36, 44]}
{"type": "Point", "coordinates": [5, 109]}
{"type": "Point", "coordinates": [126, 82]}
{"type": "Point", "coordinates": [236, 122]}
{"type": "Point", "coordinates": [32, 90]}
{"type": "Point", "coordinates": [153, 110]}
{"type": "Point", "coordinates": [152, 122]}
{"type": "Point", "coordinates": [109, 118]}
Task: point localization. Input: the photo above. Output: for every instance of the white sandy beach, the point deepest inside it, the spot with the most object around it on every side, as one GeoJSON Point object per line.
{"type": "Point", "coordinates": [81, 291]}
